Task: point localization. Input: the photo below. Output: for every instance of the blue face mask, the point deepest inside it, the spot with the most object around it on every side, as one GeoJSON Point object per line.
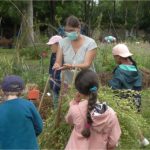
{"type": "Point", "coordinates": [72, 35]}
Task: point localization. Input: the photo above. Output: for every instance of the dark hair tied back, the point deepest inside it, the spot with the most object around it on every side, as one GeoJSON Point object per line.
{"type": "Point", "coordinates": [133, 62]}
{"type": "Point", "coordinates": [86, 83]}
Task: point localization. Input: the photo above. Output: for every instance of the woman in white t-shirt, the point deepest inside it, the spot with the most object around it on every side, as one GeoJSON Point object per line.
{"type": "Point", "coordinates": [75, 50]}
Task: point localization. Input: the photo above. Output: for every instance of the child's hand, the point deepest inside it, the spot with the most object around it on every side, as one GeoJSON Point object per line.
{"type": "Point", "coordinates": [56, 66]}
{"type": "Point", "coordinates": [77, 97]}
{"type": "Point", "coordinates": [67, 66]}
{"type": "Point", "coordinates": [64, 67]}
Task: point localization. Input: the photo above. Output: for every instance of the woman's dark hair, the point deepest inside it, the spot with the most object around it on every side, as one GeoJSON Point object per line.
{"type": "Point", "coordinates": [73, 21]}
{"type": "Point", "coordinates": [84, 82]}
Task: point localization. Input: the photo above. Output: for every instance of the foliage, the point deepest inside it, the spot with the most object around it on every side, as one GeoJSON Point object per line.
{"type": "Point", "coordinates": [34, 71]}
{"type": "Point", "coordinates": [5, 67]}
{"type": "Point", "coordinates": [124, 15]}
{"type": "Point", "coordinates": [104, 60]}
{"type": "Point", "coordinates": [7, 10]}
{"type": "Point", "coordinates": [25, 70]}
{"type": "Point", "coordinates": [73, 7]}
{"type": "Point", "coordinates": [55, 137]}
{"type": "Point", "coordinates": [34, 52]}
{"type": "Point", "coordinates": [131, 122]}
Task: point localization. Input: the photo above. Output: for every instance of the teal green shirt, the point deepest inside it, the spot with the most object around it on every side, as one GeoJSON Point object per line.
{"type": "Point", "coordinates": [20, 123]}
{"type": "Point", "coordinates": [126, 77]}
{"type": "Point", "coordinates": [127, 67]}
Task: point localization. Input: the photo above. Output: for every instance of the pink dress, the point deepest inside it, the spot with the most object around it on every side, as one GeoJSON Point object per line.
{"type": "Point", "coordinates": [105, 129]}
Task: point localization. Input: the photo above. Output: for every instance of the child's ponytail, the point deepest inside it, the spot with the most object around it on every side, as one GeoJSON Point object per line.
{"type": "Point", "coordinates": [91, 104]}
{"type": "Point", "coordinates": [86, 82]}
{"type": "Point", "coordinates": [133, 62]}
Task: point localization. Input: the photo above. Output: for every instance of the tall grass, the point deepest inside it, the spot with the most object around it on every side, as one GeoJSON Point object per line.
{"type": "Point", "coordinates": [130, 121]}
{"type": "Point", "coordinates": [32, 71]}
{"type": "Point", "coordinates": [104, 60]}
{"type": "Point", "coordinates": [37, 71]}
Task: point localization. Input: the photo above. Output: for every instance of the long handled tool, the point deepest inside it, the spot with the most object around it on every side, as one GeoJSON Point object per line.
{"type": "Point", "coordinates": [57, 121]}
{"type": "Point", "coordinates": [45, 90]}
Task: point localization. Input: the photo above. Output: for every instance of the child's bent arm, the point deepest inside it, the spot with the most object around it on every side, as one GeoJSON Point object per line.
{"type": "Point", "coordinates": [76, 100]}
{"type": "Point", "coordinates": [59, 57]}
{"type": "Point", "coordinates": [115, 83]}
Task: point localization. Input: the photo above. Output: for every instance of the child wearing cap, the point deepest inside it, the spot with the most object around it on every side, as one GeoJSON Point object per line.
{"type": "Point", "coordinates": [54, 74]}
{"type": "Point", "coordinates": [110, 39]}
{"type": "Point", "coordinates": [20, 122]}
{"type": "Point", "coordinates": [126, 76]}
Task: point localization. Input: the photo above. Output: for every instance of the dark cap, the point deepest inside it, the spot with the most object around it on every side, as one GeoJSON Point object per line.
{"type": "Point", "coordinates": [12, 83]}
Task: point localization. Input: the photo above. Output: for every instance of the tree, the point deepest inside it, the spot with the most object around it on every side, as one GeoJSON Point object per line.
{"type": "Point", "coordinates": [30, 31]}
{"type": "Point", "coordinates": [27, 23]}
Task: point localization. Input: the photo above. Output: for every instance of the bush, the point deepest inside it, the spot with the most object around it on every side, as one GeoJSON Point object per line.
{"type": "Point", "coordinates": [27, 72]}
{"type": "Point", "coordinates": [130, 121]}
{"type": "Point", "coordinates": [34, 52]}
{"type": "Point", "coordinates": [104, 60]}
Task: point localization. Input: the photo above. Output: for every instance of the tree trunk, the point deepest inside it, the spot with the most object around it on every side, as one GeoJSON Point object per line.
{"type": "Point", "coordinates": [125, 24]}
{"type": "Point", "coordinates": [30, 31]}
{"type": "Point", "coordinates": [52, 8]}
{"type": "Point", "coordinates": [137, 19]}
{"type": "Point", "coordinates": [27, 32]}
{"type": "Point", "coordinates": [114, 8]}
{"type": "Point", "coordinates": [52, 17]}
{"type": "Point", "coordinates": [88, 13]}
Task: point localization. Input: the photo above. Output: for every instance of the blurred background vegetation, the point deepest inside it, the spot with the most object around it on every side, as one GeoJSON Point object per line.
{"type": "Point", "coordinates": [26, 26]}
{"type": "Point", "coordinates": [26, 21]}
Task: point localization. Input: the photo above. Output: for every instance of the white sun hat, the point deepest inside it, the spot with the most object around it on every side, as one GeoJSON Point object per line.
{"type": "Point", "coordinates": [121, 50]}
{"type": "Point", "coordinates": [54, 39]}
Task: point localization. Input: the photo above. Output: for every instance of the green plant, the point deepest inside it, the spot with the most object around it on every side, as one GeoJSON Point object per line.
{"type": "Point", "coordinates": [29, 52]}
{"type": "Point", "coordinates": [6, 67]}
{"type": "Point", "coordinates": [104, 60]}
{"type": "Point", "coordinates": [130, 122]}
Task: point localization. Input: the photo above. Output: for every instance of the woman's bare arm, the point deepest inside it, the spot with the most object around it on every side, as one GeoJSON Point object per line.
{"type": "Point", "coordinates": [58, 62]}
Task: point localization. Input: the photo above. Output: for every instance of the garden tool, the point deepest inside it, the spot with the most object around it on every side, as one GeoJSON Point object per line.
{"type": "Point", "coordinates": [45, 90]}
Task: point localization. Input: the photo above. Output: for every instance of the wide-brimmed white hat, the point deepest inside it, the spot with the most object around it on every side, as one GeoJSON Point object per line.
{"type": "Point", "coordinates": [54, 39]}
{"type": "Point", "coordinates": [121, 50]}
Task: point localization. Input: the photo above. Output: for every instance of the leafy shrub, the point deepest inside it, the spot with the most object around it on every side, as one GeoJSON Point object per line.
{"type": "Point", "coordinates": [11, 66]}
{"type": "Point", "coordinates": [5, 67]}
{"type": "Point", "coordinates": [34, 52]}
{"type": "Point", "coordinates": [104, 60]}
{"type": "Point", "coordinates": [130, 121]}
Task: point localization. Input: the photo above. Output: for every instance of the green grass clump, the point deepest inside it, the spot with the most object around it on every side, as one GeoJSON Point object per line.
{"type": "Point", "coordinates": [104, 60]}
{"type": "Point", "coordinates": [130, 122]}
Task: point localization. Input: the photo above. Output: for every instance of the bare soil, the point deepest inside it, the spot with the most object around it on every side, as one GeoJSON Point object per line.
{"type": "Point", "coordinates": [104, 77]}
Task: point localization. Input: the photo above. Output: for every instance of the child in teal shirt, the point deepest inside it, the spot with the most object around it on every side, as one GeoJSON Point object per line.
{"type": "Point", "coordinates": [20, 122]}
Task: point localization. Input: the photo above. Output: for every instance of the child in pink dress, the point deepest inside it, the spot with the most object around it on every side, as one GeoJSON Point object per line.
{"type": "Point", "coordinates": [96, 126]}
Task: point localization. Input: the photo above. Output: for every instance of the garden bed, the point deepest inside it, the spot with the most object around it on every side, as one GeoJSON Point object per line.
{"type": "Point", "coordinates": [104, 77]}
